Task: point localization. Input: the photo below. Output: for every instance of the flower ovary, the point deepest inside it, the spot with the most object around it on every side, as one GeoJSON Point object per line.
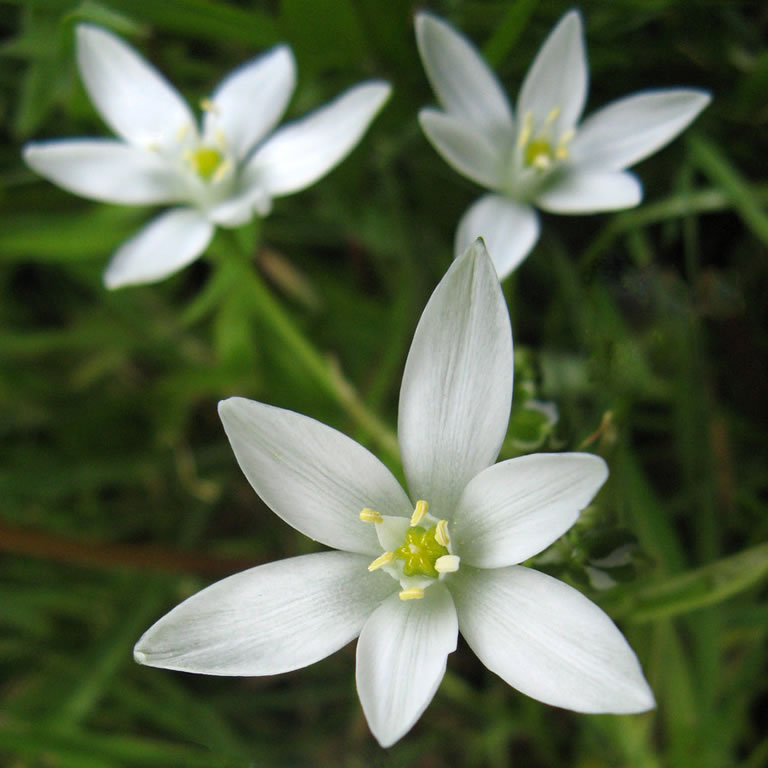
{"type": "Point", "coordinates": [420, 551]}
{"type": "Point", "coordinates": [206, 161]}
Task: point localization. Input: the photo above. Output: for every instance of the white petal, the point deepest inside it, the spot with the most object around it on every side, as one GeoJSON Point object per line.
{"type": "Point", "coordinates": [548, 641]}
{"type": "Point", "coordinates": [401, 658]}
{"type": "Point", "coordinates": [632, 128]}
{"type": "Point", "coordinates": [239, 209]}
{"type": "Point", "coordinates": [134, 99]}
{"type": "Point", "coordinates": [557, 78]}
{"type": "Point", "coordinates": [312, 476]}
{"type": "Point", "coordinates": [513, 510]}
{"type": "Point", "coordinates": [457, 385]}
{"type": "Point", "coordinates": [168, 243]}
{"type": "Point", "coordinates": [464, 84]}
{"type": "Point", "coordinates": [267, 620]}
{"type": "Point", "coordinates": [250, 101]}
{"type": "Point", "coordinates": [297, 155]}
{"type": "Point", "coordinates": [107, 170]}
{"type": "Point", "coordinates": [464, 148]}
{"type": "Point", "coordinates": [509, 229]}
{"type": "Point", "coordinates": [579, 191]}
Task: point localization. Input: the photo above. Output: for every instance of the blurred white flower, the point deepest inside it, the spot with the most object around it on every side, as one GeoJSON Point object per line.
{"type": "Point", "coordinates": [544, 157]}
{"type": "Point", "coordinates": [220, 173]}
{"type": "Point", "coordinates": [411, 573]}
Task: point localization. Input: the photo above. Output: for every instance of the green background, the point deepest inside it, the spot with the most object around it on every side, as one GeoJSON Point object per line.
{"type": "Point", "coordinates": [120, 496]}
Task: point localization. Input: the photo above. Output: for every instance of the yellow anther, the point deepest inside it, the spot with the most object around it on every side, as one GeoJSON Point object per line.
{"type": "Point", "coordinates": [566, 137]}
{"type": "Point", "coordinates": [420, 512]}
{"type": "Point", "coordinates": [414, 593]}
{"type": "Point", "coordinates": [381, 561]}
{"type": "Point", "coordinates": [552, 116]}
{"type": "Point", "coordinates": [371, 516]}
{"type": "Point", "coordinates": [208, 106]}
{"type": "Point", "coordinates": [525, 133]}
{"type": "Point", "coordinates": [561, 153]}
{"type": "Point", "coordinates": [183, 132]}
{"type": "Point", "coordinates": [447, 564]}
{"type": "Point", "coordinates": [222, 171]}
{"type": "Point", "coordinates": [441, 533]}
{"type": "Point", "coordinates": [221, 139]}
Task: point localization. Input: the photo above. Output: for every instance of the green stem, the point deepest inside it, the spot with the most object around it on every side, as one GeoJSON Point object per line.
{"type": "Point", "coordinates": [325, 371]}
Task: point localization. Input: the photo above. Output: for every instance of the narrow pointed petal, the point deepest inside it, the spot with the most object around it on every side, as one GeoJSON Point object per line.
{"type": "Point", "coordinates": [106, 170]}
{"type": "Point", "coordinates": [239, 209]}
{"type": "Point", "coordinates": [557, 78]}
{"type": "Point", "coordinates": [270, 619]}
{"type": "Point", "coordinates": [134, 99]}
{"type": "Point", "coordinates": [457, 385]}
{"type": "Point", "coordinates": [464, 84]}
{"type": "Point", "coordinates": [549, 641]}
{"type": "Point", "coordinates": [581, 191]}
{"type": "Point", "coordinates": [401, 658]}
{"type": "Point", "coordinates": [250, 101]}
{"type": "Point", "coordinates": [312, 476]}
{"type": "Point", "coordinates": [299, 154]}
{"type": "Point", "coordinates": [464, 148]}
{"type": "Point", "coordinates": [509, 229]}
{"type": "Point", "coordinates": [514, 509]}
{"type": "Point", "coordinates": [168, 243]}
{"type": "Point", "coordinates": [632, 128]}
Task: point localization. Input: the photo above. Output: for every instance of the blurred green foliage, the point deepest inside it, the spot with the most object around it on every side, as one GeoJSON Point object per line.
{"type": "Point", "coordinates": [119, 494]}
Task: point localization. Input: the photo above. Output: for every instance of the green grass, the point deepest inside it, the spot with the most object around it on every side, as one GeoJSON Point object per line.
{"type": "Point", "coordinates": [119, 494]}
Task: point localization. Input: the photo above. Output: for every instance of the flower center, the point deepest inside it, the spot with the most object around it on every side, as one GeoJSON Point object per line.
{"type": "Point", "coordinates": [538, 148]}
{"type": "Point", "coordinates": [416, 555]}
{"type": "Point", "coordinates": [206, 161]}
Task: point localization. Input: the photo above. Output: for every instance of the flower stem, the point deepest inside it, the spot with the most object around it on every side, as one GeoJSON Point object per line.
{"type": "Point", "coordinates": [324, 371]}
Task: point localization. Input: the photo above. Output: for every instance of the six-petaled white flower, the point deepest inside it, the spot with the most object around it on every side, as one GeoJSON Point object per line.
{"type": "Point", "coordinates": [220, 173]}
{"type": "Point", "coordinates": [542, 157]}
{"type": "Point", "coordinates": [413, 571]}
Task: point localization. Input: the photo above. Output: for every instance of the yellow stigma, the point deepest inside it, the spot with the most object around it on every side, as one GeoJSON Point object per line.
{"type": "Point", "coordinates": [414, 593]}
{"type": "Point", "coordinates": [381, 561]}
{"type": "Point", "coordinates": [206, 161]}
{"type": "Point", "coordinates": [420, 512]}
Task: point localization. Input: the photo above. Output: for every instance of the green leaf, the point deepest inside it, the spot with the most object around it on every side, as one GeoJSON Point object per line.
{"type": "Point", "coordinates": [695, 589]}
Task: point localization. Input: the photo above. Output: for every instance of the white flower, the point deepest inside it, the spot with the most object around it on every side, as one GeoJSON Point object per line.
{"type": "Point", "coordinates": [413, 571]}
{"type": "Point", "coordinates": [543, 156]}
{"type": "Point", "coordinates": [220, 172]}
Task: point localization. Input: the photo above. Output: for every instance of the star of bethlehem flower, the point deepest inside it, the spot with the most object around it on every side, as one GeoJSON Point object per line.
{"type": "Point", "coordinates": [543, 156]}
{"type": "Point", "coordinates": [413, 570]}
{"type": "Point", "coordinates": [218, 173]}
